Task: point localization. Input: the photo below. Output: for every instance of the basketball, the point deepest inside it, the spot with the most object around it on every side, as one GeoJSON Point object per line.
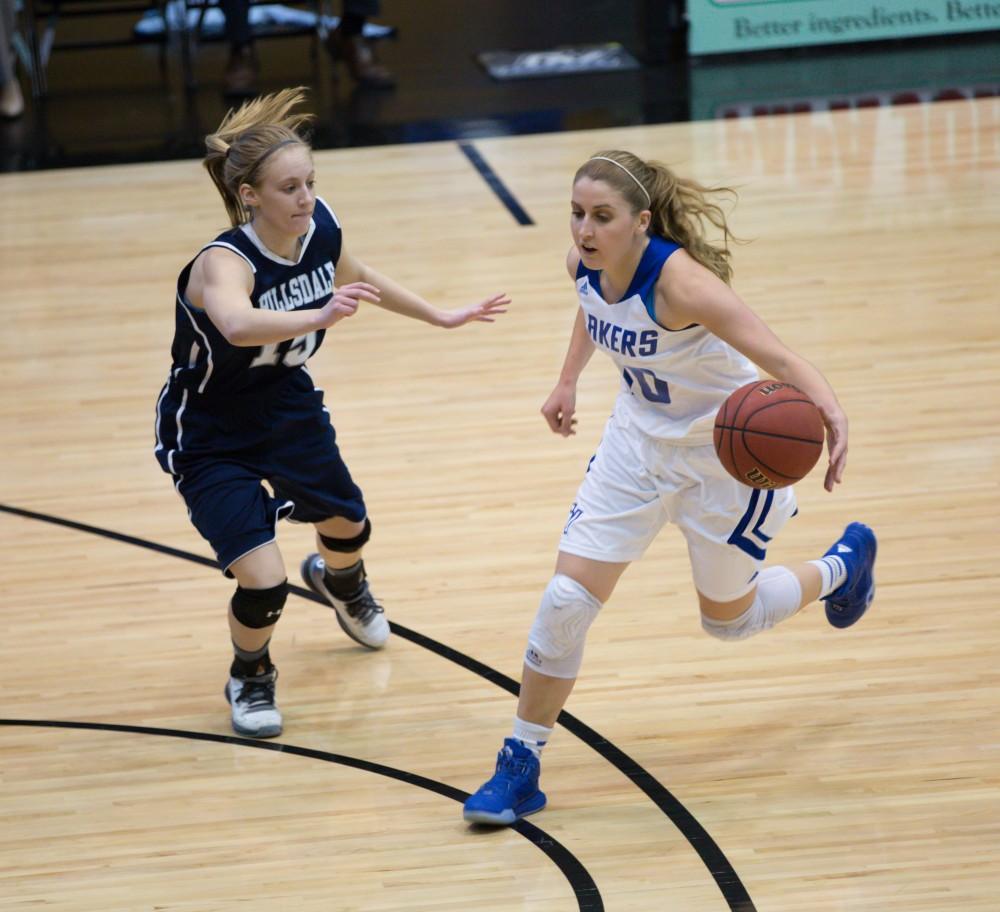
{"type": "Point", "coordinates": [768, 434]}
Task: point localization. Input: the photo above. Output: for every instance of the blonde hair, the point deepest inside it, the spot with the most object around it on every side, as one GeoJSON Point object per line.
{"type": "Point", "coordinates": [244, 141]}
{"type": "Point", "coordinates": [680, 207]}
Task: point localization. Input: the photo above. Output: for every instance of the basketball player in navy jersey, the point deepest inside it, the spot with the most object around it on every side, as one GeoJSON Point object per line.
{"type": "Point", "coordinates": [239, 407]}
{"type": "Point", "coordinates": [654, 296]}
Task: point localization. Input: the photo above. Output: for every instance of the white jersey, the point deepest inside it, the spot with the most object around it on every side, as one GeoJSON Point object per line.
{"type": "Point", "coordinates": [673, 381]}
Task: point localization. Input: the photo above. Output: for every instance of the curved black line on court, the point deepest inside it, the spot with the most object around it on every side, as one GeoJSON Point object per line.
{"type": "Point", "coordinates": [712, 856]}
{"type": "Point", "coordinates": [587, 895]}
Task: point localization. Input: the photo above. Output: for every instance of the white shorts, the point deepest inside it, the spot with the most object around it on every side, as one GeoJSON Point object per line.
{"type": "Point", "coordinates": [635, 484]}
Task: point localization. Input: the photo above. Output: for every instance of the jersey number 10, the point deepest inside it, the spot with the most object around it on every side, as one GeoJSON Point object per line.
{"type": "Point", "coordinates": [653, 389]}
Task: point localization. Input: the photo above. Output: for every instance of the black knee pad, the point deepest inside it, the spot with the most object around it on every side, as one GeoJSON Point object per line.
{"type": "Point", "coordinates": [347, 545]}
{"type": "Point", "coordinates": [258, 608]}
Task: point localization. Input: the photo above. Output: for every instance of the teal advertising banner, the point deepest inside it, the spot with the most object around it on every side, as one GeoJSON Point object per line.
{"type": "Point", "coordinates": [727, 26]}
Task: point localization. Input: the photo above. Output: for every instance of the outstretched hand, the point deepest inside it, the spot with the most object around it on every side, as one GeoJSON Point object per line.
{"type": "Point", "coordinates": [483, 312]}
{"type": "Point", "coordinates": [345, 302]}
{"type": "Point", "coordinates": [836, 441]}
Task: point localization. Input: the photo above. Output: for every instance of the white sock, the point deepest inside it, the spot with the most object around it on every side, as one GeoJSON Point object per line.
{"type": "Point", "coordinates": [532, 736]}
{"type": "Point", "coordinates": [779, 596]}
{"type": "Point", "coordinates": [833, 571]}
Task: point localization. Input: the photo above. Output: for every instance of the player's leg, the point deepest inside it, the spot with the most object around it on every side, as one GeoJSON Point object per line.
{"type": "Point", "coordinates": [306, 467]}
{"type": "Point", "coordinates": [616, 515]}
{"type": "Point", "coordinates": [555, 647]}
{"type": "Point", "coordinates": [779, 593]}
{"type": "Point", "coordinates": [844, 580]}
{"type": "Point", "coordinates": [337, 573]}
{"type": "Point", "coordinates": [254, 610]}
{"type": "Point", "coordinates": [552, 662]}
{"type": "Point", "coordinates": [728, 528]}
{"type": "Point", "coordinates": [231, 509]}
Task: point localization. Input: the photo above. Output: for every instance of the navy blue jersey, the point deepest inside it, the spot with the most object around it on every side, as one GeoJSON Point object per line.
{"type": "Point", "coordinates": [218, 396]}
{"type": "Point", "coordinates": [210, 369]}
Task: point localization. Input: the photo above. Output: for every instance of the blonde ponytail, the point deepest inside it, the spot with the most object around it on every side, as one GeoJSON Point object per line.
{"type": "Point", "coordinates": [245, 139]}
{"type": "Point", "coordinates": [679, 207]}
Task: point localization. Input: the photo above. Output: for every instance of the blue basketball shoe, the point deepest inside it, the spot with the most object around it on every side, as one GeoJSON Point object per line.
{"type": "Point", "coordinates": [512, 793]}
{"type": "Point", "coordinates": [849, 601]}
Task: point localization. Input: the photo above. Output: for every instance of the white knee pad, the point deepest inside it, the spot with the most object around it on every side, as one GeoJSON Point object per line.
{"type": "Point", "coordinates": [555, 643]}
{"type": "Point", "coordinates": [779, 595]}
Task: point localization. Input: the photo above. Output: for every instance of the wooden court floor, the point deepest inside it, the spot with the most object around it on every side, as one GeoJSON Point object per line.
{"type": "Point", "coordinates": [807, 770]}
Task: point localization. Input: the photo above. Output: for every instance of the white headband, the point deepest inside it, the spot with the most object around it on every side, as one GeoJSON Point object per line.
{"type": "Point", "coordinates": [629, 173]}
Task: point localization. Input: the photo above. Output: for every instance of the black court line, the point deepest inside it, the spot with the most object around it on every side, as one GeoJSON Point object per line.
{"type": "Point", "coordinates": [495, 184]}
{"type": "Point", "coordinates": [708, 850]}
{"type": "Point", "coordinates": [587, 895]}
{"type": "Point", "coordinates": [712, 856]}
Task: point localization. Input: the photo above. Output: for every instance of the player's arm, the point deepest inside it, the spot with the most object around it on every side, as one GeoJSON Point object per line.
{"type": "Point", "coordinates": [687, 292]}
{"type": "Point", "coordinates": [221, 283]}
{"type": "Point", "coordinates": [394, 297]}
{"type": "Point", "coordinates": [560, 407]}
{"type": "Point", "coordinates": [581, 346]}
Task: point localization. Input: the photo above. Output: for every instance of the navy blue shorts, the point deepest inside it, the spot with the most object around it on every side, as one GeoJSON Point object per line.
{"type": "Point", "coordinates": [221, 457]}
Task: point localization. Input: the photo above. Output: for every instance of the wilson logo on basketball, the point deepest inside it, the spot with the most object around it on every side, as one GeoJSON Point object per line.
{"type": "Point", "coordinates": [757, 479]}
{"type": "Point", "coordinates": [771, 388]}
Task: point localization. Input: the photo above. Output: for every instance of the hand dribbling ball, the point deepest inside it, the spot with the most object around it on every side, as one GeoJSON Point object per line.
{"type": "Point", "coordinates": [768, 434]}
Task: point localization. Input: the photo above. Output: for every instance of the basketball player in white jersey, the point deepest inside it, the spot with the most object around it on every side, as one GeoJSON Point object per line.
{"type": "Point", "coordinates": [654, 296]}
{"type": "Point", "coordinates": [239, 407]}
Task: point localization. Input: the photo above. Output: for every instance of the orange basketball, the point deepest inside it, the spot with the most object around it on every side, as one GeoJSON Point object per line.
{"type": "Point", "coordinates": [768, 434]}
